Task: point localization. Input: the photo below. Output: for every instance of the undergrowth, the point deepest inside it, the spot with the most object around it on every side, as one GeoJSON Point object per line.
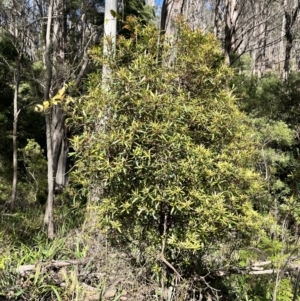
{"type": "Point", "coordinates": [23, 242]}
{"type": "Point", "coordinates": [77, 265]}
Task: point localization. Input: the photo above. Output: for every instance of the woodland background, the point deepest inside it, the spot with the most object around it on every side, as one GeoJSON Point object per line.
{"type": "Point", "coordinates": [149, 151]}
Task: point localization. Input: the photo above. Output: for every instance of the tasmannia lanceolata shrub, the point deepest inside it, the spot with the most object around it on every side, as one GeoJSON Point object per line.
{"type": "Point", "coordinates": [166, 146]}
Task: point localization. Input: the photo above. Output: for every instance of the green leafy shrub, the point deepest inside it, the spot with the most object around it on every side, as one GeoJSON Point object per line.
{"type": "Point", "coordinates": [274, 106]}
{"type": "Point", "coordinates": [167, 149]}
{"type": "Point", "coordinates": [271, 97]}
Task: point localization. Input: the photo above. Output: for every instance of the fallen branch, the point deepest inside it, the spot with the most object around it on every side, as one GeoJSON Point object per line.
{"type": "Point", "coordinates": [261, 263]}
{"type": "Point", "coordinates": [254, 269]}
{"type": "Point", "coordinates": [53, 264]}
{"type": "Point", "coordinates": [257, 270]}
{"type": "Point", "coordinates": [263, 272]}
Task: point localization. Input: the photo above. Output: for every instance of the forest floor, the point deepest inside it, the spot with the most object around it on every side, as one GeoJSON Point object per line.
{"type": "Point", "coordinates": [73, 266]}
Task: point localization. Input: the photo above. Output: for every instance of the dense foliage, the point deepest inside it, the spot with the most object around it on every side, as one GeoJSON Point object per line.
{"type": "Point", "coordinates": [173, 155]}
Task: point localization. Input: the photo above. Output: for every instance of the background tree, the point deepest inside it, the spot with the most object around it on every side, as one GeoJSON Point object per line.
{"type": "Point", "coordinates": [290, 15]}
{"type": "Point", "coordinates": [15, 38]}
{"type": "Point", "coordinates": [171, 9]}
{"type": "Point", "coordinates": [256, 28]}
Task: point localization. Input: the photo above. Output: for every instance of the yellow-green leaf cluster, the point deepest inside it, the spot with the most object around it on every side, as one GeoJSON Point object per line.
{"type": "Point", "coordinates": [173, 155]}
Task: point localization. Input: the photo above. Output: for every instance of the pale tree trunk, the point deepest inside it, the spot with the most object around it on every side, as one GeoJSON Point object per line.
{"type": "Point", "coordinates": [197, 15]}
{"type": "Point", "coordinates": [218, 19]}
{"type": "Point", "coordinates": [262, 39]}
{"type": "Point", "coordinates": [18, 38]}
{"type": "Point", "coordinates": [171, 9]}
{"type": "Point", "coordinates": [110, 32]}
{"type": "Point", "coordinates": [59, 146]}
{"type": "Point", "coordinates": [58, 128]}
{"type": "Point", "coordinates": [231, 17]}
{"type": "Point", "coordinates": [239, 28]}
{"type": "Point", "coordinates": [255, 50]}
{"type": "Point", "coordinates": [262, 49]}
{"type": "Point", "coordinates": [48, 219]}
{"type": "Point", "coordinates": [15, 133]}
{"type": "Point", "coordinates": [282, 48]}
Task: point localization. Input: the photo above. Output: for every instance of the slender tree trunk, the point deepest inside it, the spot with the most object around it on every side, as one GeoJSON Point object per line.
{"type": "Point", "coordinates": [290, 19]}
{"type": "Point", "coordinates": [48, 219]}
{"type": "Point", "coordinates": [230, 28]}
{"type": "Point", "coordinates": [171, 9]}
{"type": "Point", "coordinates": [262, 40]}
{"type": "Point", "coordinates": [59, 130]}
{"type": "Point", "coordinates": [110, 32]}
{"type": "Point", "coordinates": [288, 50]}
{"type": "Point", "coordinates": [59, 146]}
{"type": "Point", "coordinates": [15, 133]}
{"type": "Point", "coordinates": [282, 48]}
{"type": "Point", "coordinates": [263, 50]}
{"type": "Point", "coordinates": [217, 19]}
